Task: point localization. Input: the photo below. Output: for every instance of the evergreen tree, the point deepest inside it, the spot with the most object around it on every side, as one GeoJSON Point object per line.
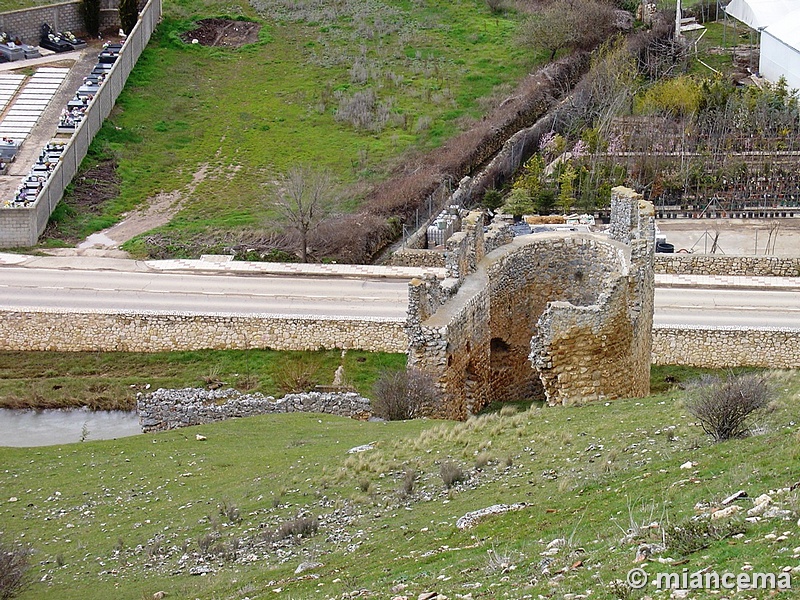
{"type": "Point", "coordinates": [128, 15]}
{"type": "Point", "coordinates": [518, 203]}
{"type": "Point", "coordinates": [90, 11]}
{"type": "Point", "coordinates": [566, 192]}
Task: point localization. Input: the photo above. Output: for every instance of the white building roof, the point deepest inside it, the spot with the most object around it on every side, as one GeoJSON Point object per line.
{"type": "Point", "coordinates": [761, 13]}
{"type": "Point", "coordinates": [787, 29]}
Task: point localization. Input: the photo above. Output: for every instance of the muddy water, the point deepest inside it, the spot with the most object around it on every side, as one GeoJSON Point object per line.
{"type": "Point", "coordinates": [49, 427]}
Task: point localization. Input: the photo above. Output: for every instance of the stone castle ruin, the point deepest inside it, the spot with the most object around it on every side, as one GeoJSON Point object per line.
{"type": "Point", "coordinates": [564, 316]}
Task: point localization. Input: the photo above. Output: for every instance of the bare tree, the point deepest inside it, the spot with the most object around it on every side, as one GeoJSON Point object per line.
{"type": "Point", "coordinates": [566, 24]}
{"type": "Point", "coordinates": [302, 198]}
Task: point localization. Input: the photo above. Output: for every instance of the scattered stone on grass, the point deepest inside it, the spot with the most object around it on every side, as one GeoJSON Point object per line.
{"type": "Point", "coordinates": [472, 518]}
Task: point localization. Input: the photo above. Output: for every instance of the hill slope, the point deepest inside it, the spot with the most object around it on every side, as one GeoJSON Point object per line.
{"type": "Point", "coordinates": [276, 507]}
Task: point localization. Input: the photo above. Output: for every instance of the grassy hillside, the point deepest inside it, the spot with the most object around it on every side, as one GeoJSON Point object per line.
{"type": "Point", "coordinates": [216, 125]}
{"type": "Point", "coordinates": [236, 515]}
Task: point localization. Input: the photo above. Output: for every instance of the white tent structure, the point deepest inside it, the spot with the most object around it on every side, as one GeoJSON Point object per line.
{"type": "Point", "coordinates": [760, 13]}
{"type": "Point", "coordinates": [780, 50]}
{"type": "Point", "coordinates": [778, 22]}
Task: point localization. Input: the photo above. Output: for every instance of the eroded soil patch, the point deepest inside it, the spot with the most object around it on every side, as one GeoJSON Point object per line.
{"type": "Point", "coordinates": [223, 32]}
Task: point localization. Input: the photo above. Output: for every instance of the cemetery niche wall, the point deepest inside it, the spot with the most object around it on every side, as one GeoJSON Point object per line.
{"type": "Point", "coordinates": [561, 316]}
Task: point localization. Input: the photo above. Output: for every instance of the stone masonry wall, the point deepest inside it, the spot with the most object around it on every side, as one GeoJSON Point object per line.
{"type": "Point", "coordinates": [581, 302]}
{"type": "Point", "coordinates": [170, 409]}
{"type": "Point", "coordinates": [524, 277]}
{"type": "Point", "coordinates": [65, 16]}
{"type": "Point", "coordinates": [724, 347]}
{"type": "Point", "coordinates": [110, 331]}
{"type": "Point", "coordinates": [415, 257]}
{"type": "Point", "coordinates": [723, 264]}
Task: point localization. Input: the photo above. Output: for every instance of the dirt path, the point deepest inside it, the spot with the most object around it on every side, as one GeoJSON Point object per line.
{"type": "Point", "coordinates": [156, 212]}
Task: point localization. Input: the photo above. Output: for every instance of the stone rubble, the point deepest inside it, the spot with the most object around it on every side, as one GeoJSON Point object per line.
{"type": "Point", "coordinates": [165, 409]}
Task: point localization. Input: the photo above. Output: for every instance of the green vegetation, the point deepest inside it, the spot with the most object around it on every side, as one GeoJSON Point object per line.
{"type": "Point", "coordinates": [111, 380]}
{"type": "Point", "coordinates": [349, 90]}
{"type": "Point", "coordinates": [261, 496]}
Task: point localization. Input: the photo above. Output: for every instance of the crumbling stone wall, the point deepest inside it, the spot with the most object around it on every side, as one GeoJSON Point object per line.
{"type": "Point", "coordinates": [163, 409]}
{"type": "Point", "coordinates": [564, 316]}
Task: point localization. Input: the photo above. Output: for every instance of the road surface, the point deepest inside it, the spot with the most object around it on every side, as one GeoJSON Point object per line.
{"type": "Point", "coordinates": [728, 306]}
{"type": "Point", "coordinates": [333, 296]}
{"type": "Point", "coordinates": [323, 296]}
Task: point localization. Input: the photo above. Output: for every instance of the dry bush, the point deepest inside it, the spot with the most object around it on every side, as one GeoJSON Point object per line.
{"type": "Point", "coordinates": [482, 460]}
{"type": "Point", "coordinates": [296, 376]}
{"type": "Point", "coordinates": [229, 511]}
{"type": "Point", "coordinates": [354, 238]}
{"type": "Point", "coordinates": [724, 405]}
{"type": "Point", "coordinates": [496, 6]}
{"type": "Point", "coordinates": [450, 473]}
{"type": "Point", "coordinates": [14, 565]}
{"type": "Point", "coordinates": [406, 487]}
{"type": "Point", "coordinates": [298, 527]}
{"type": "Point", "coordinates": [363, 110]}
{"type": "Point", "coordinates": [408, 394]}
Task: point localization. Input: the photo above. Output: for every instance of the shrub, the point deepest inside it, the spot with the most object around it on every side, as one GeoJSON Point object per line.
{"type": "Point", "coordinates": [492, 199]}
{"type": "Point", "coordinates": [363, 110]}
{"type": "Point", "coordinates": [401, 395]}
{"type": "Point", "coordinates": [14, 565]}
{"type": "Point", "coordinates": [296, 376]}
{"type": "Point", "coordinates": [724, 405]}
{"type": "Point", "coordinates": [695, 534]}
{"type": "Point", "coordinates": [407, 483]}
{"type": "Point", "coordinates": [450, 473]}
{"type": "Point", "coordinates": [482, 460]}
{"type": "Point", "coordinates": [300, 526]}
{"type": "Point", "coordinates": [678, 96]}
{"type": "Point", "coordinates": [229, 511]}
{"type": "Point", "coordinates": [495, 6]}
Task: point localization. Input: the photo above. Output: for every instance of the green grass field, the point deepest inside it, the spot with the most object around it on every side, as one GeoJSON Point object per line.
{"type": "Point", "coordinates": [111, 380]}
{"type": "Point", "coordinates": [131, 517]}
{"type": "Point", "coordinates": [249, 114]}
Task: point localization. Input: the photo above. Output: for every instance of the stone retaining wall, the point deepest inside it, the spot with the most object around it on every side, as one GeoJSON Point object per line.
{"type": "Point", "coordinates": [170, 409]}
{"type": "Point", "coordinates": [416, 257]}
{"type": "Point", "coordinates": [720, 264]}
{"type": "Point", "coordinates": [119, 331]}
{"type": "Point", "coordinates": [722, 347]}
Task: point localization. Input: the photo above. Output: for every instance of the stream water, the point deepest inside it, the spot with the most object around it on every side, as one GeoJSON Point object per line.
{"type": "Point", "coordinates": [23, 428]}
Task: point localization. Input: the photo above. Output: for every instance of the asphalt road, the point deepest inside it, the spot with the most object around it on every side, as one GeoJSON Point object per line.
{"type": "Point", "coordinates": [728, 306]}
{"type": "Point", "coordinates": [330, 296]}
{"type": "Point", "coordinates": [324, 296]}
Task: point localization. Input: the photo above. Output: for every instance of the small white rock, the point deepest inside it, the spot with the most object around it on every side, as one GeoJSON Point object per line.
{"type": "Point", "coordinates": [725, 513]}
